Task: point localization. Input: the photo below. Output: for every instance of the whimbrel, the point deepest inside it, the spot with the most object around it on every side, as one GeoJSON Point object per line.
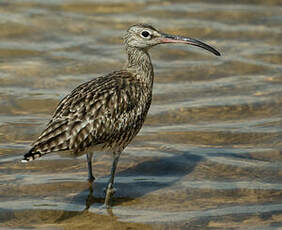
{"type": "Point", "coordinates": [106, 113]}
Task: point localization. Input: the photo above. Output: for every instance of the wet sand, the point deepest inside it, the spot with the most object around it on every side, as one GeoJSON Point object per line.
{"type": "Point", "coordinates": [209, 154]}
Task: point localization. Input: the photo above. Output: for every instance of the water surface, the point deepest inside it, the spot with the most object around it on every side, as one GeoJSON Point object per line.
{"type": "Point", "coordinates": [209, 154]}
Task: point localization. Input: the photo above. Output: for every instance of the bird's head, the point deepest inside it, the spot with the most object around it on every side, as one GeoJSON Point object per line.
{"type": "Point", "coordinates": [143, 36]}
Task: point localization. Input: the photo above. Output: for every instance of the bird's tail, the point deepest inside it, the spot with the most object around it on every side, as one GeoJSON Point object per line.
{"type": "Point", "coordinates": [31, 155]}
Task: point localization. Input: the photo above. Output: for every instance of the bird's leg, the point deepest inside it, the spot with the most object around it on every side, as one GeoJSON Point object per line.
{"type": "Point", "coordinates": [89, 157]}
{"type": "Point", "coordinates": [90, 199]}
{"type": "Point", "coordinates": [110, 189]}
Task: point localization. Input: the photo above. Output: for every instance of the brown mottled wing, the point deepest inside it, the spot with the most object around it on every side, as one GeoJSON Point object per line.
{"type": "Point", "coordinates": [107, 111]}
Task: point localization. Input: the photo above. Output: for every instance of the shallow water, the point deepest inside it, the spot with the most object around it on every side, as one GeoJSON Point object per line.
{"type": "Point", "coordinates": [209, 155]}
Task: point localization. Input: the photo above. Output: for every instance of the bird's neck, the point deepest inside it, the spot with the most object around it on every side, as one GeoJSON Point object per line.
{"type": "Point", "coordinates": [140, 63]}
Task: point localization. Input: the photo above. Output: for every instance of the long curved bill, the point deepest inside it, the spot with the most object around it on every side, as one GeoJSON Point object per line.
{"type": "Point", "coordinates": [168, 38]}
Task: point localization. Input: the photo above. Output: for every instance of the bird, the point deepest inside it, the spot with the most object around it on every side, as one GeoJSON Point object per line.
{"type": "Point", "coordinates": [106, 113]}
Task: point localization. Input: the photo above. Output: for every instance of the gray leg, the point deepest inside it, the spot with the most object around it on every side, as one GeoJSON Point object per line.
{"type": "Point", "coordinates": [91, 178]}
{"type": "Point", "coordinates": [110, 189]}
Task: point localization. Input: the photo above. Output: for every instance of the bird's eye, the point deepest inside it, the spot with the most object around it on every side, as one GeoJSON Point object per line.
{"type": "Point", "coordinates": [145, 34]}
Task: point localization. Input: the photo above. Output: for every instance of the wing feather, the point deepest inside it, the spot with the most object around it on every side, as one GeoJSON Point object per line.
{"type": "Point", "coordinates": [96, 112]}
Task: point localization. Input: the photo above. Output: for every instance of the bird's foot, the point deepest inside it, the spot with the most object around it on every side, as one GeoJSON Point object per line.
{"type": "Point", "coordinates": [108, 209]}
